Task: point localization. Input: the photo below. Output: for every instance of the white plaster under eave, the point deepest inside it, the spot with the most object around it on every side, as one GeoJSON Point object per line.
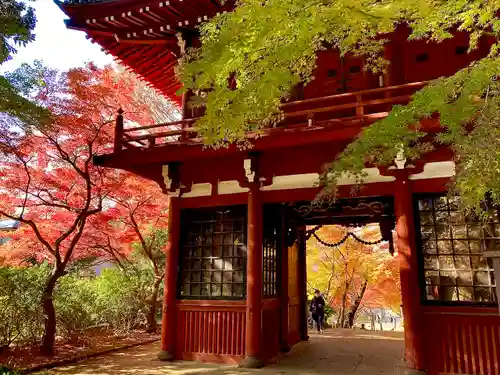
{"type": "Point", "coordinates": [230, 187]}
{"type": "Point", "coordinates": [199, 190]}
{"type": "Point", "coordinates": [437, 169]}
{"type": "Point", "coordinates": [310, 180]}
{"type": "Point", "coordinates": [371, 175]}
{"type": "Point", "coordinates": [294, 181]}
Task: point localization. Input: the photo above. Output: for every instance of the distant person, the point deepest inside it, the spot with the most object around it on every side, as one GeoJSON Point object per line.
{"type": "Point", "coordinates": [363, 326]}
{"type": "Point", "coordinates": [318, 310]}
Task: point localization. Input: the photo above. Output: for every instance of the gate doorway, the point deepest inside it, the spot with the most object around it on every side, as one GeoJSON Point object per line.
{"type": "Point", "coordinates": [357, 273]}
{"type": "Point", "coordinates": [305, 224]}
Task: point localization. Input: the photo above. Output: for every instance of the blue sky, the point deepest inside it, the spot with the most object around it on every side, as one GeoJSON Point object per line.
{"type": "Point", "coordinates": [57, 46]}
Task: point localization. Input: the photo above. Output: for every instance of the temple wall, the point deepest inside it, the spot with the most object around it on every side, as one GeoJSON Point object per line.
{"type": "Point", "coordinates": [462, 340]}
{"type": "Point", "coordinates": [212, 331]}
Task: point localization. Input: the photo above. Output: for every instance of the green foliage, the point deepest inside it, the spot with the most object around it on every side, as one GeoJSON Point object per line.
{"type": "Point", "coordinates": [17, 21]}
{"type": "Point", "coordinates": [122, 297]}
{"type": "Point", "coordinates": [7, 371]}
{"type": "Point", "coordinates": [329, 311]}
{"type": "Point", "coordinates": [478, 173]}
{"type": "Point", "coordinates": [75, 303]}
{"type": "Point", "coordinates": [116, 298]}
{"type": "Point", "coordinates": [270, 46]}
{"type": "Point", "coordinates": [470, 94]}
{"type": "Point", "coordinates": [21, 317]}
{"type": "Point", "coordinates": [155, 242]}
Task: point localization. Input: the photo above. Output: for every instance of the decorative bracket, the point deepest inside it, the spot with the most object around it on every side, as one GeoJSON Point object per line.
{"type": "Point", "coordinates": [181, 42]}
{"type": "Point", "coordinates": [249, 171]}
{"type": "Point", "coordinates": [166, 176]}
{"type": "Point", "coordinates": [171, 179]}
{"type": "Point", "coordinates": [250, 165]}
{"type": "Point", "coordinates": [400, 159]}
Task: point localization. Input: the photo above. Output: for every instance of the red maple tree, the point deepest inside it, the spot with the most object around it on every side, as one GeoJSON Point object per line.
{"type": "Point", "coordinates": [47, 179]}
{"type": "Point", "coordinates": [137, 220]}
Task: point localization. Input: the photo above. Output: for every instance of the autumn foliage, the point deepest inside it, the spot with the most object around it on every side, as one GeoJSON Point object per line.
{"type": "Point", "coordinates": [49, 183]}
{"type": "Point", "coordinates": [353, 276]}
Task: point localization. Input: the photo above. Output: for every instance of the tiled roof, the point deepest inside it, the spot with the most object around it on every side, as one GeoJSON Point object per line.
{"type": "Point", "coordinates": [143, 34]}
{"type": "Point", "coordinates": [74, 2]}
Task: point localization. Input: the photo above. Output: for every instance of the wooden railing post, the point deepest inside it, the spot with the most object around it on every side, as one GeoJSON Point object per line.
{"type": "Point", "coordinates": [184, 135]}
{"type": "Point", "coordinates": [119, 132]}
{"type": "Point", "coordinates": [360, 111]}
{"type": "Point", "coordinates": [151, 141]}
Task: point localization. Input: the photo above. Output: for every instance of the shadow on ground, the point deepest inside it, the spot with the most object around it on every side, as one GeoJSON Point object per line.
{"type": "Point", "coordinates": [337, 352]}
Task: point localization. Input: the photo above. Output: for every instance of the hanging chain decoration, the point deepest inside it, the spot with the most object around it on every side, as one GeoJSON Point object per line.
{"type": "Point", "coordinates": [312, 232]}
{"type": "Point", "coordinates": [344, 239]}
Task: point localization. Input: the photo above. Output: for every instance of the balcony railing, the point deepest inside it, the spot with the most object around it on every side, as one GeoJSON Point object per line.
{"type": "Point", "coordinates": [323, 111]}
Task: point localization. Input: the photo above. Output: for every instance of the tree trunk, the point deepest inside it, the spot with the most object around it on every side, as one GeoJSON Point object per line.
{"type": "Point", "coordinates": [372, 318]}
{"type": "Point", "coordinates": [355, 306]}
{"type": "Point", "coordinates": [342, 309]}
{"type": "Point", "coordinates": [152, 325]}
{"type": "Point", "coordinates": [49, 312]}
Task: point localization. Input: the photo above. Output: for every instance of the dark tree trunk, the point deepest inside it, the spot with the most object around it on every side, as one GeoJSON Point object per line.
{"type": "Point", "coordinates": [49, 312]}
{"type": "Point", "coordinates": [342, 308]}
{"type": "Point", "coordinates": [152, 325]}
{"type": "Point", "coordinates": [355, 306]}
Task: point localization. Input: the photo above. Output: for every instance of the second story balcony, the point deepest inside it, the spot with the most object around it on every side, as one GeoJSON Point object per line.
{"type": "Point", "coordinates": [332, 113]}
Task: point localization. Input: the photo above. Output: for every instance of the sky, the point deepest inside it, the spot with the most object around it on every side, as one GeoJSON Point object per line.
{"type": "Point", "coordinates": [55, 45]}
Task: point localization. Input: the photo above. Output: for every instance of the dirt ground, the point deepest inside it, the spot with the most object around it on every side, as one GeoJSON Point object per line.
{"type": "Point", "coordinates": [337, 352]}
{"type": "Point", "coordinates": [25, 357]}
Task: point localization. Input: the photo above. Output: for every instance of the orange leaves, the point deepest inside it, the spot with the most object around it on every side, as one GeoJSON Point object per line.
{"type": "Point", "coordinates": [69, 206]}
{"type": "Point", "coordinates": [341, 271]}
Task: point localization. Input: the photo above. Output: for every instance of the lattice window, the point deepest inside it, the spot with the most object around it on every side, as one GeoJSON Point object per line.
{"type": "Point", "coordinates": [213, 253]}
{"type": "Point", "coordinates": [452, 245]}
{"type": "Point", "coordinates": [270, 254]}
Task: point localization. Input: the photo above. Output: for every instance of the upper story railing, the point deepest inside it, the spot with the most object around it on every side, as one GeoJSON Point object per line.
{"type": "Point", "coordinates": [323, 111]}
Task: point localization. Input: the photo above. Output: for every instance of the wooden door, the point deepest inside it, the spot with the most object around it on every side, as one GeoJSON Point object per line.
{"type": "Point", "coordinates": [294, 294]}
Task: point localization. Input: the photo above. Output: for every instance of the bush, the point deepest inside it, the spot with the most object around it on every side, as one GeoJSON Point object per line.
{"type": "Point", "coordinates": [116, 298]}
{"type": "Point", "coordinates": [75, 301]}
{"type": "Point", "coordinates": [122, 297]}
{"type": "Point", "coordinates": [21, 316]}
{"type": "Point", "coordinates": [5, 371]}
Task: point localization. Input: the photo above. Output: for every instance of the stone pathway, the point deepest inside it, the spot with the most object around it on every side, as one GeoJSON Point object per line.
{"type": "Point", "coordinates": [337, 352]}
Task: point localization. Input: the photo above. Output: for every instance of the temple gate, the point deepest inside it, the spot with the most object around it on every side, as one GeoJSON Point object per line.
{"type": "Point", "coordinates": [235, 260]}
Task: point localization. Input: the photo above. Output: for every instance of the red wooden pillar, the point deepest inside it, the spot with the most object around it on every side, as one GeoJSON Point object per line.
{"type": "Point", "coordinates": [284, 345]}
{"type": "Point", "coordinates": [408, 266]}
{"type": "Point", "coordinates": [302, 266]}
{"type": "Point", "coordinates": [253, 336]}
{"type": "Point", "coordinates": [168, 324]}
